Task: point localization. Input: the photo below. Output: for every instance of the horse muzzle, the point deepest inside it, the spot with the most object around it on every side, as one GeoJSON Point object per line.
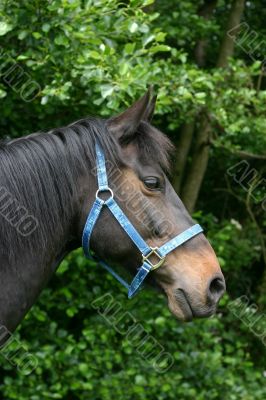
{"type": "Point", "coordinates": [188, 304]}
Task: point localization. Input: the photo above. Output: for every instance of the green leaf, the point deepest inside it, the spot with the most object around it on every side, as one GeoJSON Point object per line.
{"type": "Point", "coordinates": [106, 90]}
{"type": "Point", "coordinates": [22, 35]}
{"type": "Point", "coordinates": [61, 40]}
{"type": "Point", "coordinates": [147, 2]}
{"type": "Point", "coordinates": [200, 95]}
{"type": "Point", "coordinates": [183, 58]}
{"type": "Point", "coordinates": [148, 39]}
{"type": "Point", "coordinates": [129, 48]}
{"type": "Point", "coordinates": [124, 67]}
{"type": "Point", "coordinates": [3, 93]}
{"type": "Point", "coordinates": [159, 47]}
{"type": "Point", "coordinates": [160, 37]}
{"type": "Point", "coordinates": [36, 35]}
{"type": "Point", "coordinates": [133, 27]}
{"type": "Point", "coordinates": [22, 57]}
{"type": "Point", "coordinates": [46, 27]}
{"type": "Point", "coordinates": [4, 28]}
{"type": "Point", "coordinates": [94, 54]}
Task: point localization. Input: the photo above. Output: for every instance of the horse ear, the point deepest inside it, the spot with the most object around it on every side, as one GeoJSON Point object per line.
{"type": "Point", "coordinates": [150, 109]}
{"type": "Point", "coordinates": [124, 126]}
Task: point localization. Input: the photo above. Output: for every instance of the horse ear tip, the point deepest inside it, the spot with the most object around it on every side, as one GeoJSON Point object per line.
{"type": "Point", "coordinates": [152, 94]}
{"type": "Point", "coordinates": [151, 90]}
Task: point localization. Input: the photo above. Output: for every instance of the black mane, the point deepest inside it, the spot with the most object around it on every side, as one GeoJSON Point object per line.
{"type": "Point", "coordinates": [41, 172]}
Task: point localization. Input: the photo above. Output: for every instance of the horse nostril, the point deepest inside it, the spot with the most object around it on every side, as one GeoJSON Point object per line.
{"type": "Point", "coordinates": [216, 289]}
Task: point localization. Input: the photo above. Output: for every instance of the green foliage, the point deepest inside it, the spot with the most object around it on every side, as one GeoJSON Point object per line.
{"type": "Point", "coordinates": [95, 57]}
{"type": "Point", "coordinates": [81, 356]}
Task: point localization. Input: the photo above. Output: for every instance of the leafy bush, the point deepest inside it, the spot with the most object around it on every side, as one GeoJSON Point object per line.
{"type": "Point", "coordinates": [81, 356]}
{"type": "Point", "coordinates": [95, 57]}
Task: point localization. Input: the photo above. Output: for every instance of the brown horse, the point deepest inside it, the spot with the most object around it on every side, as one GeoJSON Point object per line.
{"type": "Point", "coordinates": [47, 188]}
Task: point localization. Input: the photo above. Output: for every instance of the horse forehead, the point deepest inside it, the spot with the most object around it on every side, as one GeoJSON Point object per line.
{"type": "Point", "coordinates": [134, 159]}
{"type": "Point", "coordinates": [130, 179]}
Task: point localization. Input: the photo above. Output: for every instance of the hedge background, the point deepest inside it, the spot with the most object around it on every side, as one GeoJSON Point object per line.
{"type": "Point", "coordinates": [96, 57]}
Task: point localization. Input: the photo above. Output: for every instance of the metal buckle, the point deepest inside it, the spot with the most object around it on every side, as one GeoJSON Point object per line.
{"type": "Point", "coordinates": [155, 252]}
{"type": "Point", "coordinates": [104, 191]}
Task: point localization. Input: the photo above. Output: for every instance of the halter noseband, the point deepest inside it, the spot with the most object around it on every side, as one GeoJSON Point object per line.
{"type": "Point", "coordinates": [145, 249]}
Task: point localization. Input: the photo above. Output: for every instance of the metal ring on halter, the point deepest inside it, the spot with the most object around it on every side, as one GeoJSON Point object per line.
{"type": "Point", "coordinates": [103, 191]}
{"type": "Point", "coordinates": [154, 251]}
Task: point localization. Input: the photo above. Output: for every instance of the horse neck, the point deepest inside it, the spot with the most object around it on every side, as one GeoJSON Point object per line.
{"type": "Point", "coordinates": [24, 275]}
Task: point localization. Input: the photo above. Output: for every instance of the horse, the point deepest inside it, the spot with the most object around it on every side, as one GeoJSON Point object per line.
{"type": "Point", "coordinates": [48, 182]}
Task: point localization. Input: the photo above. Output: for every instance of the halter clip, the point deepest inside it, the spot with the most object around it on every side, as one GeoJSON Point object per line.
{"type": "Point", "coordinates": [154, 251]}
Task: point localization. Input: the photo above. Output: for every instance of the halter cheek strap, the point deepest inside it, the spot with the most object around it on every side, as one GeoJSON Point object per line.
{"type": "Point", "coordinates": [146, 251]}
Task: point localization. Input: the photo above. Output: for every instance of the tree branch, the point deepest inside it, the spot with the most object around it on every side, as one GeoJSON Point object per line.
{"type": "Point", "coordinates": [194, 178]}
{"type": "Point", "coordinates": [182, 150]}
{"type": "Point", "coordinates": [205, 12]}
{"type": "Point", "coordinates": [191, 188]}
{"type": "Point", "coordinates": [228, 44]}
{"type": "Point", "coordinates": [241, 153]}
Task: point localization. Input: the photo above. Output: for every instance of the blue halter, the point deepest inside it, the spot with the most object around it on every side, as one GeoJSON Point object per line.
{"type": "Point", "coordinates": [144, 248]}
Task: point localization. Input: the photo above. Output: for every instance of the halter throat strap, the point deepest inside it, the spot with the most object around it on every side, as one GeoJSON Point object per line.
{"type": "Point", "coordinates": [147, 252]}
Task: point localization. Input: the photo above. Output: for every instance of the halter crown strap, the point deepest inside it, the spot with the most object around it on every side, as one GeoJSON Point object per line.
{"type": "Point", "coordinates": [101, 169]}
{"type": "Point", "coordinates": [146, 251]}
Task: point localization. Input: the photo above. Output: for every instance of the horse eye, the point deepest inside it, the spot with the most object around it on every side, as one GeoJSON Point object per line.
{"type": "Point", "coordinates": [152, 183]}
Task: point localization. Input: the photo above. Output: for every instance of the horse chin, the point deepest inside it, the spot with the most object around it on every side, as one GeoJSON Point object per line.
{"type": "Point", "coordinates": [180, 309]}
{"type": "Point", "coordinates": [180, 306]}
